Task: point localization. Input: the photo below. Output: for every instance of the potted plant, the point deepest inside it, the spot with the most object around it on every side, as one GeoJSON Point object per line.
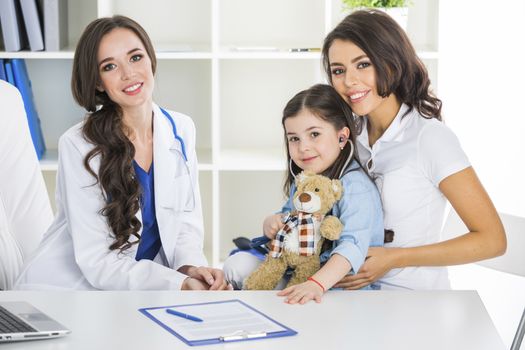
{"type": "Point", "coordinates": [397, 9]}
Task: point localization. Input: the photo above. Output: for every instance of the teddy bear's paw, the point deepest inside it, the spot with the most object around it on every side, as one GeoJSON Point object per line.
{"type": "Point", "coordinates": [331, 228]}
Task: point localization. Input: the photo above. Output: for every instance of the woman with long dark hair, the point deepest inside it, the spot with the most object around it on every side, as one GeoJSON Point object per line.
{"type": "Point", "coordinates": [129, 209]}
{"type": "Point", "coordinates": [416, 161]}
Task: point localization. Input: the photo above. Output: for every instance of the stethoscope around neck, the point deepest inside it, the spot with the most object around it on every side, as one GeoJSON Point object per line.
{"type": "Point", "coordinates": [184, 155]}
{"type": "Point", "coordinates": [177, 137]}
{"type": "Point", "coordinates": [191, 207]}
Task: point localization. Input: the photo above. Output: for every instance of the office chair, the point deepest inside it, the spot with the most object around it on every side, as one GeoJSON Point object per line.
{"type": "Point", "coordinates": [25, 211]}
{"type": "Point", "coordinates": [513, 261]}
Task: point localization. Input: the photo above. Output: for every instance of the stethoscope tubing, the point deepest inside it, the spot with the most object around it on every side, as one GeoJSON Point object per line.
{"type": "Point", "coordinates": [181, 141]}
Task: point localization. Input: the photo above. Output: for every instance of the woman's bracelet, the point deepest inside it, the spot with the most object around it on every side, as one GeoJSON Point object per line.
{"type": "Point", "coordinates": [316, 282]}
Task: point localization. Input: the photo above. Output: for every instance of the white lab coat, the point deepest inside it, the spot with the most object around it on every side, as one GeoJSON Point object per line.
{"type": "Point", "coordinates": [75, 254]}
{"type": "Point", "coordinates": [25, 212]}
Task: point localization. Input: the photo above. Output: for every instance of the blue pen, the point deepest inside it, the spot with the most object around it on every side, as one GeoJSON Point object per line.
{"type": "Point", "coordinates": [183, 315]}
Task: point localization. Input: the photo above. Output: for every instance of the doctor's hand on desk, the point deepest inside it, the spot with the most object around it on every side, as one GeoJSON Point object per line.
{"type": "Point", "coordinates": [204, 278]}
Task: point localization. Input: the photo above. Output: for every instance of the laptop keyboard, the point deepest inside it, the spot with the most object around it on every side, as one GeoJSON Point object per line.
{"type": "Point", "coordinates": [9, 323]}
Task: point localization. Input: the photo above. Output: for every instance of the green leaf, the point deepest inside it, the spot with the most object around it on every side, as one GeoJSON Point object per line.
{"type": "Point", "coordinates": [351, 4]}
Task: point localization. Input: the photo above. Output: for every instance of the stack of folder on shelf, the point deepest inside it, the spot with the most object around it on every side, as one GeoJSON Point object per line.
{"type": "Point", "coordinates": [34, 24]}
{"type": "Point", "coordinates": [14, 71]}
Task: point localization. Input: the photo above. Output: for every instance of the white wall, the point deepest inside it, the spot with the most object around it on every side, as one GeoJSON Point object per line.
{"type": "Point", "coordinates": [481, 82]}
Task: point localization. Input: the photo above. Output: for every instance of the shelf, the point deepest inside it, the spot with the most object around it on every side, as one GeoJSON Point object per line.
{"type": "Point", "coordinates": [205, 159]}
{"type": "Point", "coordinates": [229, 160]}
{"type": "Point", "coordinates": [49, 161]}
{"type": "Point", "coordinates": [278, 54]}
{"type": "Point", "coordinates": [253, 97]}
{"type": "Point", "coordinates": [270, 159]}
{"type": "Point", "coordinates": [272, 23]}
{"type": "Point", "coordinates": [206, 189]}
{"type": "Point", "coordinates": [168, 22]}
{"type": "Point", "coordinates": [227, 64]}
{"type": "Point", "coordinates": [285, 54]}
{"type": "Point", "coordinates": [428, 55]}
{"type": "Point", "coordinates": [65, 54]}
{"type": "Point", "coordinates": [69, 54]}
{"type": "Point", "coordinates": [246, 198]}
{"type": "Point", "coordinates": [189, 55]}
{"type": "Point", "coordinates": [197, 55]}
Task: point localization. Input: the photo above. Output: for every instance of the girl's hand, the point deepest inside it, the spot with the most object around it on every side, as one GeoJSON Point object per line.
{"type": "Point", "coordinates": [302, 293]}
{"type": "Point", "coordinates": [272, 224]}
{"type": "Point", "coordinates": [378, 262]}
{"type": "Point", "coordinates": [214, 278]}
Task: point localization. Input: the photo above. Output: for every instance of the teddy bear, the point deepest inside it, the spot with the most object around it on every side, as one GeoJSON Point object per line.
{"type": "Point", "coordinates": [298, 244]}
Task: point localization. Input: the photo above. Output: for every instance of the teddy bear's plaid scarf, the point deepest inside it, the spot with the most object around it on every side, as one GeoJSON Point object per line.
{"type": "Point", "coordinates": [304, 223]}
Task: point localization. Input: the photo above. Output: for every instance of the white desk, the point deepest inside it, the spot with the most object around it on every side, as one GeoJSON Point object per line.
{"type": "Point", "coordinates": [440, 320]}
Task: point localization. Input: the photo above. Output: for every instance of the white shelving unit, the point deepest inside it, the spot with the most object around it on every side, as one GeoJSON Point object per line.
{"type": "Point", "coordinates": [234, 94]}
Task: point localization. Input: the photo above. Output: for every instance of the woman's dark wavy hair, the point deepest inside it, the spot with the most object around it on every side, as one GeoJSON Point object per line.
{"type": "Point", "coordinates": [324, 102]}
{"type": "Point", "coordinates": [398, 68]}
{"type": "Point", "coordinates": [104, 128]}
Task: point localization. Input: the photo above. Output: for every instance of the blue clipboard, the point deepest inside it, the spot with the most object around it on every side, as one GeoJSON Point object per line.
{"type": "Point", "coordinates": [181, 326]}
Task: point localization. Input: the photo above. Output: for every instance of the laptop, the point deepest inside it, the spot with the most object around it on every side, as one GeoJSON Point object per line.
{"type": "Point", "coordinates": [21, 321]}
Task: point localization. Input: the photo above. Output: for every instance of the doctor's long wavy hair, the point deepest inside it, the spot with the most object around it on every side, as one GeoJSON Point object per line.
{"type": "Point", "coordinates": [105, 129]}
{"type": "Point", "coordinates": [398, 68]}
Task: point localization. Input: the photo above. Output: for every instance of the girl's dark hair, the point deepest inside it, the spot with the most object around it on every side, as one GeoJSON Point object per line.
{"type": "Point", "coordinates": [104, 128]}
{"type": "Point", "coordinates": [324, 102]}
{"type": "Point", "coordinates": [398, 68]}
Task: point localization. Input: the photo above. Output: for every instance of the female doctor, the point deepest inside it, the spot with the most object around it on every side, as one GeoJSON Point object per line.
{"type": "Point", "coordinates": [129, 210]}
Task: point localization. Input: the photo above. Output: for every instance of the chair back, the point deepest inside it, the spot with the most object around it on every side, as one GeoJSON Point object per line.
{"type": "Point", "coordinates": [513, 261]}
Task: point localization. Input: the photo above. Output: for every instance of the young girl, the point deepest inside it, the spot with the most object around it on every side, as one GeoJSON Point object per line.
{"type": "Point", "coordinates": [129, 210]}
{"type": "Point", "coordinates": [416, 161]}
{"type": "Point", "coordinates": [319, 136]}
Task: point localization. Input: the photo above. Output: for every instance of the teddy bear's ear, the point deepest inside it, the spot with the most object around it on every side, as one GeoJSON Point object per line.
{"type": "Point", "coordinates": [337, 187]}
{"type": "Point", "coordinates": [301, 177]}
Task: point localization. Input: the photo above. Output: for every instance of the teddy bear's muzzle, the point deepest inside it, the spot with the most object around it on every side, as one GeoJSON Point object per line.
{"type": "Point", "coordinates": [304, 198]}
